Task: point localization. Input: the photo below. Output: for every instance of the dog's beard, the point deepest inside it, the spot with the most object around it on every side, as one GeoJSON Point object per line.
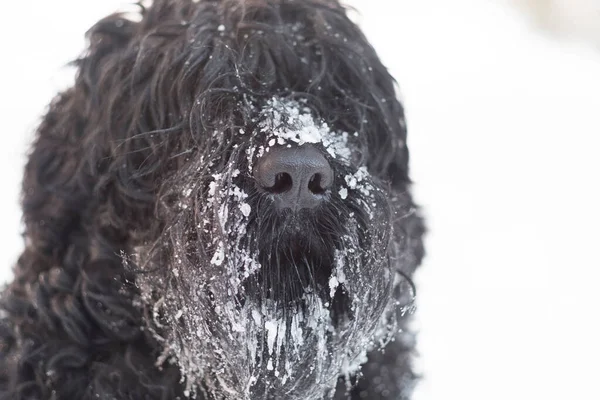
{"type": "Point", "coordinates": [247, 317]}
{"type": "Point", "coordinates": [252, 302]}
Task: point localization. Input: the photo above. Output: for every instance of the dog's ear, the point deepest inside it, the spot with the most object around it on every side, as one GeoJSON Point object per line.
{"type": "Point", "coordinates": [59, 178]}
{"type": "Point", "coordinates": [379, 112]}
{"type": "Point", "coordinates": [388, 152]}
{"type": "Point", "coordinates": [53, 193]}
{"type": "Point", "coordinates": [106, 38]}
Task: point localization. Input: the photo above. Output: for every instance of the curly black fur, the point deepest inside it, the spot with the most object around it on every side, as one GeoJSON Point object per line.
{"type": "Point", "coordinates": [123, 195]}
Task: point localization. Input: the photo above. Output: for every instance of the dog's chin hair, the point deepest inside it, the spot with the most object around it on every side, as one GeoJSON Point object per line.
{"type": "Point", "coordinates": [263, 346]}
{"type": "Point", "coordinates": [206, 303]}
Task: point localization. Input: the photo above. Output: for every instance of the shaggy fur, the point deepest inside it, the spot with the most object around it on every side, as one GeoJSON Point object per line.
{"type": "Point", "coordinates": [154, 266]}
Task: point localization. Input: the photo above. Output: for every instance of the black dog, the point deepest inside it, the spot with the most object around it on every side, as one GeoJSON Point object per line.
{"type": "Point", "coordinates": [219, 208]}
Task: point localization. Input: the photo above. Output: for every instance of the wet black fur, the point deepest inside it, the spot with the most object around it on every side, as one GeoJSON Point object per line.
{"type": "Point", "coordinates": [148, 94]}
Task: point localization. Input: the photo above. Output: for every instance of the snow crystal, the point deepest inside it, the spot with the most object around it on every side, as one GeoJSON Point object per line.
{"type": "Point", "coordinates": [333, 285]}
{"type": "Point", "coordinates": [343, 193]}
{"type": "Point", "coordinates": [250, 156]}
{"type": "Point", "coordinates": [245, 208]}
{"type": "Point", "coordinates": [271, 327]}
{"type": "Point", "coordinates": [288, 120]}
{"type": "Point", "coordinates": [350, 181]}
{"type": "Point", "coordinates": [219, 255]}
{"type": "Point", "coordinates": [238, 193]}
{"type": "Point", "coordinates": [359, 181]}
{"type": "Point", "coordinates": [212, 187]}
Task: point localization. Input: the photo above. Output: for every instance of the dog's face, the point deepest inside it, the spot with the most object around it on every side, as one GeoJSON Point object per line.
{"type": "Point", "coordinates": [257, 166]}
{"type": "Point", "coordinates": [254, 283]}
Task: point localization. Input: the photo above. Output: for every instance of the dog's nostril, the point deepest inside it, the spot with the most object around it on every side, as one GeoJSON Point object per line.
{"type": "Point", "coordinates": [283, 183]}
{"type": "Point", "coordinates": [314, 184]}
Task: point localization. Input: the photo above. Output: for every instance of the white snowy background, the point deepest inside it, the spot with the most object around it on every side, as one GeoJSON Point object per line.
{"type": "Point", "coordinates": [504, 132]}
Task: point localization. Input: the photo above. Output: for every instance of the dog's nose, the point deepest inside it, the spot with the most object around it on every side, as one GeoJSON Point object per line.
{"type": "Point", "coordinates": [298, 177]}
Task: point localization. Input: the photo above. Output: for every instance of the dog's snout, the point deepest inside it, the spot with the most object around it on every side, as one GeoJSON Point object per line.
{"type": "Point", "coordinates": [299, 177]}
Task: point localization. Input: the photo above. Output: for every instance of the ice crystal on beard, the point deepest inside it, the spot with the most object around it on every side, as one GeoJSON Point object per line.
{"type": "Point", "coordinates": [245, 209]}
{"type": "Point", "coordinates": [338, 277]}
{"type": "Point", "coordinates": [359, 181]}
{"type": "Point", "coordinates": [219, 254]}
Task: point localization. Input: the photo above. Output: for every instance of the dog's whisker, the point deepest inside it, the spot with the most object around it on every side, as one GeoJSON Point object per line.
{"type": "Point", "coordinates": [188, 151]}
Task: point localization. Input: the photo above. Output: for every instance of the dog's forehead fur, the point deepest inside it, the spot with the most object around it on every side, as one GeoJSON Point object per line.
{"type": "Point", "coordinates": [208, 56]}
{"type": "Point", "coordinates": [154, 267]}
